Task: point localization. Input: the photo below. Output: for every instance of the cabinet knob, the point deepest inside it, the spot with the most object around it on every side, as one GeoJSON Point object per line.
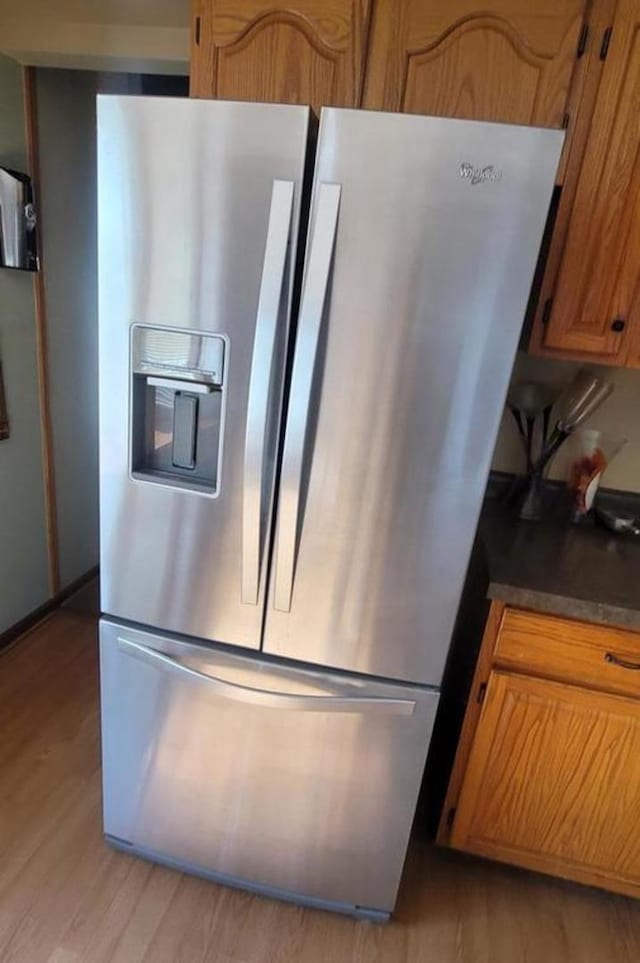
{"type": "Point", "coordinates": [618, 325]}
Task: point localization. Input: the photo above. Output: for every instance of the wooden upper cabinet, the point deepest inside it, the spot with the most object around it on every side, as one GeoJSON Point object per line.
{"type": "Point", "coordinates": [595, 304]}
{"type": "Point", "coordinates": [503, 60]}
{"type": "Point", "coordinates": [553, 782]}
{"type": "Point", "coordinates": [633, 359]}
{"type": "Point", "coordinates": [303, 52]}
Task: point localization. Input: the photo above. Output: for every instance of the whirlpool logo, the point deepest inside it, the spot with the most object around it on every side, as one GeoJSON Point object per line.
{"type": "Point", "coordinates": [478, 175]}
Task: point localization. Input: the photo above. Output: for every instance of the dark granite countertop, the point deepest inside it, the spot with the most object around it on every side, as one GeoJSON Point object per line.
{"type": "Point", "coordinates": [578, 571]}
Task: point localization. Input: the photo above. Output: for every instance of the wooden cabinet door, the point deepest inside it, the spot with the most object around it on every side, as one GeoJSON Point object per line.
{"type": "Point", "coordinates": [633, 359]}
{"type": "Point", "coordinates": [301, 52]}
{"type": "Point", "coordinates": [553, 782]}
{"type": "Point", "coordinates": [597, 290]}
{"type": "Point", "coordinates": [504, 60]}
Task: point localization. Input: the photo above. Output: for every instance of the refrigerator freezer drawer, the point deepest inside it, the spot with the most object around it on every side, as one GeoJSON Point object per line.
{"type": "Point", "coordinates": [288, 780]}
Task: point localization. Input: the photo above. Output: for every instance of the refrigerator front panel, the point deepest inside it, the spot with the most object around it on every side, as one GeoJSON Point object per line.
{"type": "Point", "coordinates": [423, 240]}
{"type": "Point", "coordinates": [198, 212]}
{"type": "Point", "coordinates": [291, 781]}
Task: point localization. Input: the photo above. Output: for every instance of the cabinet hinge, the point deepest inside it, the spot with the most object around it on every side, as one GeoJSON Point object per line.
{"type": "Point", "coordinates": [604, 46]}
{"type": "Point", "coordinates": [451, 815]}
{"type": "Point", "coordinates": [481, 693]}
{"type": "Point", "coordinates": [546, 311]}
{"type": "Point", "coordinates": [565, 121]}
{"type": "Point", "coordinates": [197, 31]}
{"type": "Point", "coordinates": [582, 40]}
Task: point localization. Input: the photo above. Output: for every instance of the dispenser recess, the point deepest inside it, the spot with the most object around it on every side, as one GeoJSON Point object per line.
{"type": "Point", "coordinates": [177, 407]}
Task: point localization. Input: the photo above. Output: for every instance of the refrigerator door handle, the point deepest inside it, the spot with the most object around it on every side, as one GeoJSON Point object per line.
{"type": "Point", "coordinates": [380, 705]}
{"type": "Point", "coordinates": [264, 343]}
{"type": "Point", "coordinates": [314, 295]}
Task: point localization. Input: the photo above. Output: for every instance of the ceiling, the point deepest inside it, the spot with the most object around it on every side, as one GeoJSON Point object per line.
{"type": "Point", "coordinates": [158, 13]}
{"type": "Point", "coordinates": [142, 36]}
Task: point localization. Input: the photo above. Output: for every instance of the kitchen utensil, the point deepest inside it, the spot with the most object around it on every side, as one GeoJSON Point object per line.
{"type": "Point", "coordinates": [517, 417]}
{"type": "Point", "coordinates": [546, 419]}
{"type": "Point", "coordinates": [580, 399]}
{"type": "Point", "coordinates": [620, 524]}
{"type": "Point", "coordinates": [531, 421]}
{"type": "Point", "coordinates": [526, 401]}
{"type": "Point", "coordinates": [585, 393]}
{"type": "Point", "coordinates": [594, 451]}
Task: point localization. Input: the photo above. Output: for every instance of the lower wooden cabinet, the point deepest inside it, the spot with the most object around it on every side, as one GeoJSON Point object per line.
{"type": "Point", "coordinates": [551, 776]}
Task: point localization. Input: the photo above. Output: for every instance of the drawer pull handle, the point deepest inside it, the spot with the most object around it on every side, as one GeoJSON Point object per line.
{"type": "Point", "coordinates": [387, 705]}
{"type": "Point", "coordinates": [610, 657]}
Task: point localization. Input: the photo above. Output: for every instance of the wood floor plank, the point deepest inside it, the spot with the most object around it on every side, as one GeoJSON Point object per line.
{"type": "Point", "coordinates": [189, 925]}
{"type": "Point", "coordinates": [104, 909]}
{"type": "Point", "coordinates": [66, 897]}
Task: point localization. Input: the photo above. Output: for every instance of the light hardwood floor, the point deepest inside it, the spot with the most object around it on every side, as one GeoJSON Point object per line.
{"type": "Point", "coordinates": [67, 897]}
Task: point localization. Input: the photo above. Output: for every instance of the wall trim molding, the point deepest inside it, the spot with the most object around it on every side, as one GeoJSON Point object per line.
{"type": "Point", "coordinates": [30, 621]}
{"type": "Point", "coordinates": [46, 427]}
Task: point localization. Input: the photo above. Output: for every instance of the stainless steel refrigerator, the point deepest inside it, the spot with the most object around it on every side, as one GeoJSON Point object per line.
{"type": "Point", "coordinates": [294, 448]}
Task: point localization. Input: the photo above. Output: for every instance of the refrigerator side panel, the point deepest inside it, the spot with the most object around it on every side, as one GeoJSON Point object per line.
{"type": "Point", "coordinates": [302, 784]}
{"type": "Point", "coordinates": [199, 204]}
{"type": "Point", "coordinates": [406, 339]}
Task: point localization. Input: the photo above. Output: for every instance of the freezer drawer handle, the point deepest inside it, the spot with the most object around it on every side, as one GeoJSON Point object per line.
{"type": "Point", "coordinates": [256, 496]}
{"type": "Point", "coordinates": [369, 705]}
{"type": "Point", "coordinates": [314, 296]}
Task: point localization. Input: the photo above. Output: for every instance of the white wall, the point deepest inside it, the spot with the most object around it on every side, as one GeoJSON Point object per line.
{"type": "Point", "coordinates": [618, 416]}
{"type": "Point", "coordinates": [23, 547]}
{"type": "Point", "coordinates": [67, 140]}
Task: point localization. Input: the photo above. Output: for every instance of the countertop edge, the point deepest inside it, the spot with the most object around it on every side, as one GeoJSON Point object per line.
{"type": "Point", "coordinates": [571, 608]}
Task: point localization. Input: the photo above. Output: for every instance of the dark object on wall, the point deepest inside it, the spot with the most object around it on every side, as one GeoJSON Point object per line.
{"type": "Point", "coordinates": [4, 416]}
{"type": "Point", "coordinates": [17, 221]}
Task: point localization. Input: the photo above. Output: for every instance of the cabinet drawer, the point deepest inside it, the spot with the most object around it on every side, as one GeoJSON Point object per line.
{"type": "Point", "coordinates": [597, 656]}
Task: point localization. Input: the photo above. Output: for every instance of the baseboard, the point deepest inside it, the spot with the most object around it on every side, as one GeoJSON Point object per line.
{"type": "Point", "coordinates": [19, 628]}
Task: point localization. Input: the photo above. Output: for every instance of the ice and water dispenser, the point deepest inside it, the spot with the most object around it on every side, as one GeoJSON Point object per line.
{"type": "Point", "coordinates": [177, 407]}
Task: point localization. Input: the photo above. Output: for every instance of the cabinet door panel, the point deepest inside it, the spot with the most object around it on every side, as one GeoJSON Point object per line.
{"type": "Point", "coordinates": [633, 360]}
{"type": "Point", "coordinates": [304, 52]}
{"type": "Point", "coordinates": [553, 781]}
{"type": "Point", "coordinates": [597, 286]}
{"type": "Point", "coordinates": [509, 60]}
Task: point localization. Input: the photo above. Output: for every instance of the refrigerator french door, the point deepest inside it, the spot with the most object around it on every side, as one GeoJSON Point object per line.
{"type": "Point", "coordinates": [405, 343]}
{"type": "Point", "coordinates": [198, 210]}
{"type": "Point", "coordinates": [294, 768]}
